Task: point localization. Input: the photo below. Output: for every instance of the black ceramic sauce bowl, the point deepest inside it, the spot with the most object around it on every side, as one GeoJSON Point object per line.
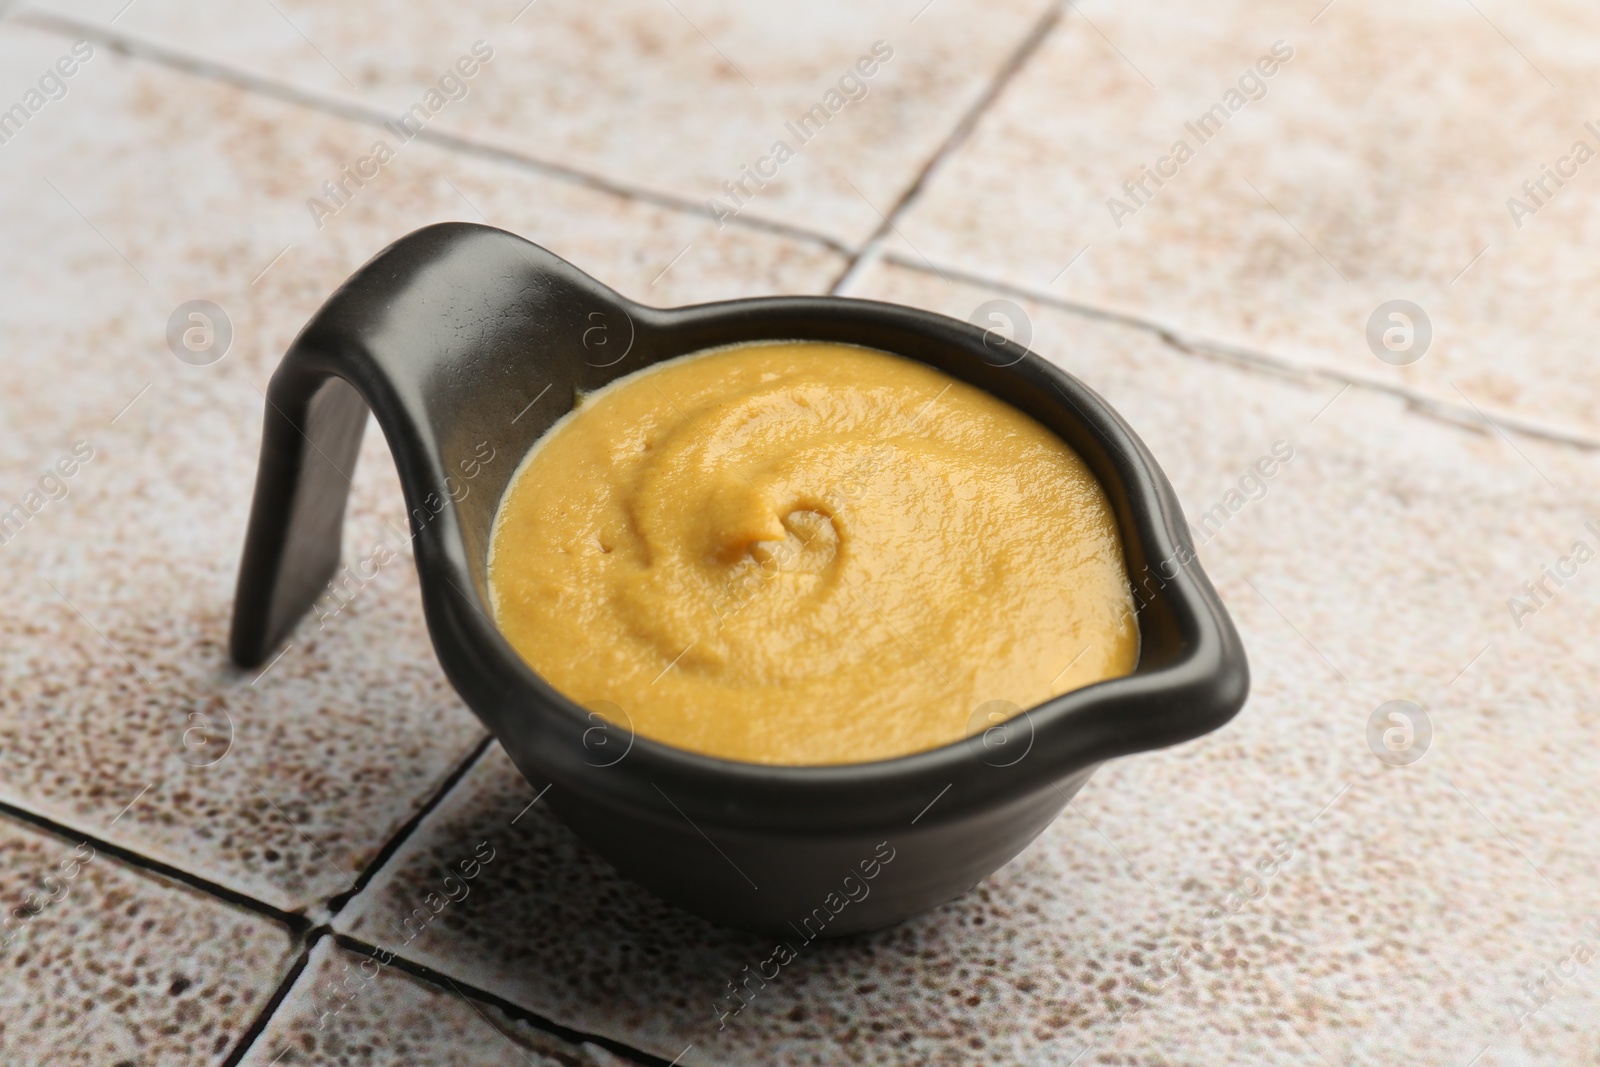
{"type": "Point", "coordinates": [468, 342]}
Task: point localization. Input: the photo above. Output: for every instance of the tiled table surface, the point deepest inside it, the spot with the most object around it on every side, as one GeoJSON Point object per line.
{"type": "Point", "coordinates": [230, 903]}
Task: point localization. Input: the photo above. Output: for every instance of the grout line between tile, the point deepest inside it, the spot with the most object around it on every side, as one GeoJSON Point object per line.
{"type": "Point", "coordinates": [241, 1048]}
{"type": "Point", "coordinates": [364, 877]}
{"type": "Point", "coordinates": [869, 252]}
{"type": "Point", "coordinates": [296, 922]}
{"type": "Point", "coordinates": [446, 982]}
{"type": "Point", "coordinates": [1461, 416]}
{"type": "Point", "coordinates": [165, 55]}
{"type": "Point", "coordinates": [299, 927]}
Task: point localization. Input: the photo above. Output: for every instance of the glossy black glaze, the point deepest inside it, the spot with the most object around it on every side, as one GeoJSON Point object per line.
{"type": "Point", "coordinates": [465, 340]}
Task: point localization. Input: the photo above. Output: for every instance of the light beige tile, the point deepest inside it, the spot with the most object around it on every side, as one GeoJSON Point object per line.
{"type": "Point", "coordinates": [1376, 167]}
{"type": "Point", "coordinates": [1377, 913]}
{"type": "Point", "coordinates": [347, 1008]}
{"type": "Point", "coordinates": [105, 964]}
{"type": "Point", "coordinates": [169, 188]}
{"type": "Point", "coordinates": [1405, 902]}
{"type": "Point", "coordinates": [675, 97]}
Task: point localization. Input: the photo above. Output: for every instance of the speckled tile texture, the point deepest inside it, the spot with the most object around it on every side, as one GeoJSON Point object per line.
{"type": "Point", "coordinates": [676, 98]}
{"type": "Point", "coordinates": [1377, 163]}
{"type": "Point", "coordinates": [1287, 891]}
{"type": "Point", "coordinates": [355, 1010]}
{"type": "Point", "coordinates": [102, 964]}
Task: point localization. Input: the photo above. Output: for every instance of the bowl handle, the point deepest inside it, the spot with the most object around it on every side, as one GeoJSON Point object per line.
{"type": "Point", "coordinates": [439, 335]}
{"type": "Point", "coordinates": [309, 446]}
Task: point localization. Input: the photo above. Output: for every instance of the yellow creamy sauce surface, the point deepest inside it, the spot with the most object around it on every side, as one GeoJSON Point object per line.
{"type": "Point", "coordinates": [807, 553]}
